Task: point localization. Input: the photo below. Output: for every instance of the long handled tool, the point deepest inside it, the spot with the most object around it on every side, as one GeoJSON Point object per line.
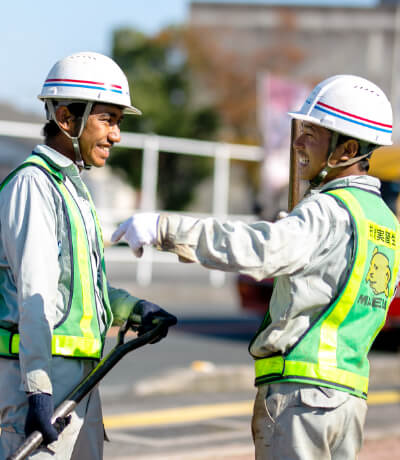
{"type": "Point", "coordinates": [34, 440]}
{"type": "Point", "coordinates": [294, 181]}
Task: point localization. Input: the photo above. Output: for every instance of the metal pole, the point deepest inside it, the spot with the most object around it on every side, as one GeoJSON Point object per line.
{"type": "Point", "coordinates": [294, 179]}
{"type": "Point", "coordinates": [220, 198]}
{"type": "Point", "coordinates": [148, 202]}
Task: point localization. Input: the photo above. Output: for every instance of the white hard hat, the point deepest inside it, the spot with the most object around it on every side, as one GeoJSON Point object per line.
{"type": "Point", "coordinates": [88, 76]}
{"type": "Point", "coordinates": [352, 106]}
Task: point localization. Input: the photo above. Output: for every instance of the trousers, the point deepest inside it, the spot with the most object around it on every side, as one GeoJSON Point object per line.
{"type": "Point", "coordinates": [83, 438]}
{"type": "Point", "coordinates": [294, 421]}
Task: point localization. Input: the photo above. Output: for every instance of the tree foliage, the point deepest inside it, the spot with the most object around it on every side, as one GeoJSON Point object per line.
{"type": "Point", "coordinates": [228, 70]}
{"type": "Point", "coordinates": [227, 63]}
{"type": "Point", "coordinates": [161, 87]}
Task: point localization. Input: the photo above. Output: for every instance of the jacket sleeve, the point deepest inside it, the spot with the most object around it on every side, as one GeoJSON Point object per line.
{"type": "Point", "coordinates": [28, 216]}
{"type": "Point", "coordinates": [260, 249]}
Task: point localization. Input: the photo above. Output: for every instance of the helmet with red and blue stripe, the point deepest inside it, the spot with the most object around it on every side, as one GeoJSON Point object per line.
{"type": "Point", "coordinates": [88, 76]}
{"type": "Point", "coordinates": [352, 106]}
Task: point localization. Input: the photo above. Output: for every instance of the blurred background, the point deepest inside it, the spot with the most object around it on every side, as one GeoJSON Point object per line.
{"type": "Point", "coordinates": [214, 80]}
{"type": "Point", "coordinates": [221, 71]}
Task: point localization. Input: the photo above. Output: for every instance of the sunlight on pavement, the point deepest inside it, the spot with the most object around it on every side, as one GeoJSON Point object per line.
{"type": "Point", "coordinates": [205, 412]}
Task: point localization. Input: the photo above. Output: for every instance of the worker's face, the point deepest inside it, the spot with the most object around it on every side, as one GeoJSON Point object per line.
{"type": "Point", "coordinates": [100, 134]}
{"type": "Point", "coordinates": [311, 146]}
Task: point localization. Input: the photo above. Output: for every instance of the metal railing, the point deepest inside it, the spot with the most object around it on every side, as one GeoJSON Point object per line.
{"type": "Point", "coordinates": [151, 145]}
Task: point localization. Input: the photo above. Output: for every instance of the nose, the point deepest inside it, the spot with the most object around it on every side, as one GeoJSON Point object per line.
{"type": "Point", "coordinates": [115, 134]}
{"type": "Point", "coordinates": [299, 141]}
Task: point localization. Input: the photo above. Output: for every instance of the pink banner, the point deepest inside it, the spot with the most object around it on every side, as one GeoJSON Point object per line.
{"type": "Point", "coordinates": [276, 97]}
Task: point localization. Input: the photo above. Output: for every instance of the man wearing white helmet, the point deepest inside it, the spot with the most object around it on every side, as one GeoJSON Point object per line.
{"type": "Point", "coordinates": [56, 304]}
{"type": "Point", "coordinates": [335, 260]}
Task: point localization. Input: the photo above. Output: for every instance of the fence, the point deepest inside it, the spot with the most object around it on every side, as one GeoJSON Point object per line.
{"type": "Point", "coordinates": [151, 145]}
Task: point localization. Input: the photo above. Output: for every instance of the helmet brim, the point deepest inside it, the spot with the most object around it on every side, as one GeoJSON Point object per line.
{"type": "Point", "coordinates": [301, 116]}
{"type": "Point", "coordinates": [128, 109]}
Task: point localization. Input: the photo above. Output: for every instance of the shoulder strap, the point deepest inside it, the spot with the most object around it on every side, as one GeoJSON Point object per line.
{"type": "Point", "coordinates": [39, 162]}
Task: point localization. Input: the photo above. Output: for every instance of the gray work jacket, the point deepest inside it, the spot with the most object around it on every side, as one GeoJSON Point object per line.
{"type": "Point", "coordinates": [35, 265]}
{"type": "Point", "coordinates": [308, 253]}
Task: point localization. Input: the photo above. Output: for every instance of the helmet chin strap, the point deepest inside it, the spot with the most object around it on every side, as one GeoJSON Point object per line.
{"type": "Point", "coordinates": [74, 139]}
{"type": "Point", "coordinates": [320, 177]}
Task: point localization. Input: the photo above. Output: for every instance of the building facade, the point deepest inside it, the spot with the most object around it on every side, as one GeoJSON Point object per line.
{"type": "Point", "coordinates": [308, 43]}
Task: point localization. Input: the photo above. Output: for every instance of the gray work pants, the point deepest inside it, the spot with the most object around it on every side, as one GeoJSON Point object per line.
{"type": "Point", "coordinates": [81, 439]}
{"type": "Point", "coordinates": [292, 421]}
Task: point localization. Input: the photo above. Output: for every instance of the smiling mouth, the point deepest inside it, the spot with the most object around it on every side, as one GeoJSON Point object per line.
{"type": "Point", "coordinates": [303, 159]}
{"type": "Point", "coordinates": [105, 150]}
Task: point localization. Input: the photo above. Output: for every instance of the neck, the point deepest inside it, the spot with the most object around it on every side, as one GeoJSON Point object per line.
{"type": "Point", "coordinates": [352, 170]}
{"type": "Point", "coordinates": [63, 145]}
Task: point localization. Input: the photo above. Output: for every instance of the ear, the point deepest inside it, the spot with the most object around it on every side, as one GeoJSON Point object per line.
{"type": "Point", "coordinates": [344, 152]}
{"type": "Point", "coordinates": [65, 119]}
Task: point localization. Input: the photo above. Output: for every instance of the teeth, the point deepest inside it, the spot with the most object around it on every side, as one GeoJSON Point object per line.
{"type": "Point", "coordinates": [303, 160]}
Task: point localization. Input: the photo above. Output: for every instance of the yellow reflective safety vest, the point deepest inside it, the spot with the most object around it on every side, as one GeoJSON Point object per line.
{"type": "Point", "coordinates": [77, 335]}
{"type": "Point", "coordinates": [333, 351]}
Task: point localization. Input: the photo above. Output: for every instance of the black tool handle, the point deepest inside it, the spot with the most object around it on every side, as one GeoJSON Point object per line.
{"type": "Point", "coordinates": [33, 441]}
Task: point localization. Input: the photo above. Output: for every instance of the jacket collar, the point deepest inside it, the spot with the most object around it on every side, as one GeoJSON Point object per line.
{"type": "Point", "coordinates": [57, 159]}
{"type": "Point", "coordinates": [365, 182]}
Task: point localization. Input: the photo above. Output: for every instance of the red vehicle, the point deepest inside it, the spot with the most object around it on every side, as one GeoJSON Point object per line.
{"type": "Point", "coordinates": [255, 296]}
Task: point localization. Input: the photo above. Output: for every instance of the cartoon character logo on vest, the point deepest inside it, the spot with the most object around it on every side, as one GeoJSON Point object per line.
{"type": "Point", "coordinates": [379, 274]}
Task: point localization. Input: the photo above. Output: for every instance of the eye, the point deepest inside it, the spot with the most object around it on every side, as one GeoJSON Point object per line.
{"type": "Point", "coordinates": [105, 118]}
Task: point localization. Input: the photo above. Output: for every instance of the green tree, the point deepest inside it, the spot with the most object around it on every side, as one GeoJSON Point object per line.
{"type": "Point", "coordinates": [161, 86]}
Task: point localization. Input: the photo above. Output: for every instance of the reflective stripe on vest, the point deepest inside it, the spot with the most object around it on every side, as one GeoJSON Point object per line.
{"type": "Point", "coordinates": [279, 367]}
{"type": "Point", "coordinates": [61, 345]}
{"type": "Point", "coordinates": [78, 333]}
{"type": "Point", "coordinates": [333, 351]}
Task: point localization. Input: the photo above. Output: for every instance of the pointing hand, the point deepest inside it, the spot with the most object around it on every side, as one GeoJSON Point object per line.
{"type": "Point", "coordinates": [139, 230]}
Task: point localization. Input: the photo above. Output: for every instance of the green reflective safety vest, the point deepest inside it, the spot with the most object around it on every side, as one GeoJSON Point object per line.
{"type": "Point", "coordinates": [77, 335]}
{"type": "Point", "coordinates": [333, 351]}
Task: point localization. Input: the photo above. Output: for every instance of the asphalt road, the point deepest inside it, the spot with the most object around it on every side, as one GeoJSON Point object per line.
{"type": "Point", "coordinates": [190, 396]}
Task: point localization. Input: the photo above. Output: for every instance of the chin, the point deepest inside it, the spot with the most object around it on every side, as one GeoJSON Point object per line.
{"type": "Point", "coordinates": [304, 177]}
{"type": "Point", "coordinates": [99, 163]}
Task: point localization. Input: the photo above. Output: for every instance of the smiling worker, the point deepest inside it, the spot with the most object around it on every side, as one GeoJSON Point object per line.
{"type": "Point", "coordinates": [55, 303]}
{"type": "Point", "coordinates": [335, 260]}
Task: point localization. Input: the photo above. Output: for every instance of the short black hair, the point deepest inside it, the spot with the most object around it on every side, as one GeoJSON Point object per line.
{"type": "Point", "coordinates": [51, 129]}
{"type": "Point", "coordinates": [363, 148]}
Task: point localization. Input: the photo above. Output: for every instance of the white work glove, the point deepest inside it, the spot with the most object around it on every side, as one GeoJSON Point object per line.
{"type": "Point", "coordinates": [139, 230]}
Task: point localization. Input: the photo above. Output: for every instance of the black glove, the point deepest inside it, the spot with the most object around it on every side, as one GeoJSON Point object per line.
{"type": "Point", "coordinates": [148, 314]}
{"type": "Point", "coordinates": [39, 415]}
